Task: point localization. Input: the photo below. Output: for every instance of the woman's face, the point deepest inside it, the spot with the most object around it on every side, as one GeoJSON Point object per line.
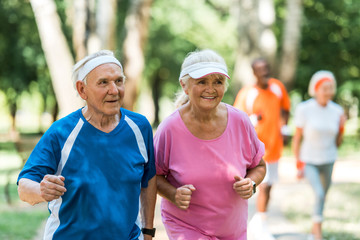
{"type": "Point", "coordinates": [325, 92]}
{"type": "Point", "coordinates": [104, 89]}
{"type": "Point", "coordinates": [206, 93]}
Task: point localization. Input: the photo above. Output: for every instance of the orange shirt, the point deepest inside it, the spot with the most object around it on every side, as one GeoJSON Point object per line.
{"type": "Point", "coordinates": [265, 105]}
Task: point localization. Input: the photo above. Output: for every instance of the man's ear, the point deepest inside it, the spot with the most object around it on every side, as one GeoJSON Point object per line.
{"type": "Point", "coordinates": [80, 87]}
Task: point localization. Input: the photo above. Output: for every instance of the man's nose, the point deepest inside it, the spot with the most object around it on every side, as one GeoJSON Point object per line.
{"type": "Point", "coordinates": [113, 88]}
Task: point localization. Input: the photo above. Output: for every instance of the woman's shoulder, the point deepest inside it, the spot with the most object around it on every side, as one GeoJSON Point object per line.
{"type": "Point", "coordinates": [236, 113]}
{"type": "Point", "coordinates": [307, 103]}
{"type": "Point", "coordinates": [336, 107]}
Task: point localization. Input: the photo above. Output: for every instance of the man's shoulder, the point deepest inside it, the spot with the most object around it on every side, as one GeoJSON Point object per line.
{"type": "Point", "coordinates": [275, 81]}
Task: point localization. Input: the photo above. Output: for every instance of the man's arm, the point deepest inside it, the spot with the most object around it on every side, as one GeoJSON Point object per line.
{"type": "Point", "coordinates": [29, 191]}
{"type": "Point", "coordinates": [50, 188]}
{"type": "Point", "coordinates": [148, 201]}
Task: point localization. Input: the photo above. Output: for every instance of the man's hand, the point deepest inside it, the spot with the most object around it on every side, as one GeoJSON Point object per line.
{"type": "Point", "coordinates": [183, 196]}
{"type": "Point", "coordinates": [52, 187]}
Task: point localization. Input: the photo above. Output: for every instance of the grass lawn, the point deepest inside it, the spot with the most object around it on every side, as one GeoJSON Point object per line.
{"type": "Point", "coordinates": [18, 220]}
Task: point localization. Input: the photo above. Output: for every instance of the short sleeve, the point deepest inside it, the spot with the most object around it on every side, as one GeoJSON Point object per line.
{"type": "Point", "coordinates": [43, 159]}
{"type": "Point", "coordinates": [149, 168]}
{"type": "Point", "coordinates": [258, 147]}
{"type": "Point", "coordinates": [299, 117]}
{"type": "Point", "coordinates": [161, 156]}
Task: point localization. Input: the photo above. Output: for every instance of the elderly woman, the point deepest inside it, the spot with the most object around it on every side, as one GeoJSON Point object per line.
{"type": "Point", "coordinates": [208, 157]}
{"type": "Point", "coordinates": [319, 130]}
{"type": "Point", "coordinates": [93, 165]}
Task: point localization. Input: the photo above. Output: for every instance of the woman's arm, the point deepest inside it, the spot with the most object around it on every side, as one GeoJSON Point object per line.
{"type": "Point", "coordinates": [296, 141]}
{"type": "Point", "coordinates": [257, 173]}
{"type": "Point", "coordinates": [339, 137]}
{"type": "Point", "coordinates": [244, 186]}
{"type": "Point", "coordinates": [179, 196]}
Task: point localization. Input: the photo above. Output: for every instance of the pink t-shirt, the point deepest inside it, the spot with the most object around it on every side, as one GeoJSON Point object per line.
{"type": "Point", "coordinates": [210, 165]}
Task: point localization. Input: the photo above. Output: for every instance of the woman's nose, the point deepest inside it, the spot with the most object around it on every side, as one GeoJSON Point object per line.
{"type": "Point", "coordinates": [210, 87]}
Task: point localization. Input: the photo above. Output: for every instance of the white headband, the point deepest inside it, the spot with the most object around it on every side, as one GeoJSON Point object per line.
{"type": "Point", "coordinates": [199, 70]}
{"type": "Point", "coordinates": [95, 62]}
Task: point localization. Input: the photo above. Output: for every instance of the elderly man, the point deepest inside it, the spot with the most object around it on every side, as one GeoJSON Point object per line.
{"type": "Point", "coordinates": [95, 165]}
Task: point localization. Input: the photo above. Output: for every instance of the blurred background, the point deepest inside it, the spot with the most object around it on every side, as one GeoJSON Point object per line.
{"type": "Point", "coordinates": [40, 40]}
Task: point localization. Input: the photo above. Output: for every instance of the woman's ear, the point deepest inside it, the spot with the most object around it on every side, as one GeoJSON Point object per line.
{"type": "Point", "coordinates": [184, 87]}
{"type": "Point", "coordinates": [80, 87]}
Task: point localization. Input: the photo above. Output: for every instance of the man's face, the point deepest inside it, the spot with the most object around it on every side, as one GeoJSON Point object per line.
{"type": "Point", "coordinates": [261, 71]}
{"type": "Point", "coordinates": [104, 89]}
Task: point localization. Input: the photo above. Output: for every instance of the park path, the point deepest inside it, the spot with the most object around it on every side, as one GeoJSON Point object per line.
{"type": "Point", "coordinates": [345, 170]}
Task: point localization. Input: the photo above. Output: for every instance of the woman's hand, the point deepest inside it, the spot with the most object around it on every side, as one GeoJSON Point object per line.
{"type": "Point", "coordinates": [52, 187]}
{"type": "Point", "coordinates": [300, 174]}
{"type": "Point", "coordinates": [243, 187]}
{"type": "Point", "coordinates": [183, 196]}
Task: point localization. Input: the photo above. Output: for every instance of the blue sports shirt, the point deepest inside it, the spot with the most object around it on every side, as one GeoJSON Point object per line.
{"type": "Point", "coordinates": [104, 173]}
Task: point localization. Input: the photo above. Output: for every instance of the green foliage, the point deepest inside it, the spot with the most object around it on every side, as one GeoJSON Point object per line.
{"type": "Point", "coordinates": [183, 27]}
{"type": "Point", "coordinates": [330, 39]}
{"type": "Point", "coordinates": [22, 60]}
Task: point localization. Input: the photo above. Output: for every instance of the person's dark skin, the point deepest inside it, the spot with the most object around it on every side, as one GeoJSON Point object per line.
{"type": "Point", "coordinates": [261, 70]}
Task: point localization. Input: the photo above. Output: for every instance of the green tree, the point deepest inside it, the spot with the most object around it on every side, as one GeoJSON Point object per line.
{"type": "Point", "coordinates": [21, 60]}
{"type": "Point", "coordinates": [331, 33]}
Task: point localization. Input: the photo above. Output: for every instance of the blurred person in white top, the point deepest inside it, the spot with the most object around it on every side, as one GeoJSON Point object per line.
{"type": "Point", "coordinates": [319, 132]}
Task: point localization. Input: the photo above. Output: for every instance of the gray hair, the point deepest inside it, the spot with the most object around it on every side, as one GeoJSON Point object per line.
{"type": "Point", "coordinates": [197, 56]}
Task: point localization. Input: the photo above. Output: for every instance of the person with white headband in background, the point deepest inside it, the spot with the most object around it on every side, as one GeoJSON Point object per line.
{"type": "Point", "coordinates": [208, 157]}
{"type": "Point", "coordinates": [95, 167]}
{"type": "Point", "coordinates": [319, 131]}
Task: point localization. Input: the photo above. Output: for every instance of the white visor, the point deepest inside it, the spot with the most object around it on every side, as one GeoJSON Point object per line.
{"type": "Point", "coordinates": [199, 70]}
{"type": "Point", "coordinates": [95, 62]}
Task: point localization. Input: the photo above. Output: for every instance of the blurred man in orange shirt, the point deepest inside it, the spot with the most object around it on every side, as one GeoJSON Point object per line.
{"type": "Point", "coordinates": [267, 103]}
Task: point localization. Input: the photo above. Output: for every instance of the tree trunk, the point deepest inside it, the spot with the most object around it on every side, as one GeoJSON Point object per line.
{"type": "Point", "coordinates": [136, 24]}
{"type": "Point", "coordinates": [57, 54]}
{"type": "Point", "coordinates": [255, 37]}
{"type": "Point", "coordinates": [291, 41]}
{"type": "Point", "coordinates": [80, 17]}
{"type": "Point", "coordinates": [106, 23]}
